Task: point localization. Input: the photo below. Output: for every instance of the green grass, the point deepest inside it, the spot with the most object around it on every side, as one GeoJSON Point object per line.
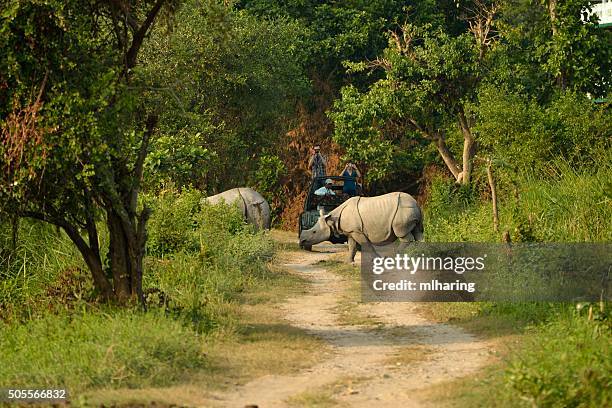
{"type": "Point", "coordinates": [29, 272]}
{"type": "Point", "coordinates": [566, 363]}
{"type": "Point", "coordinates": [85, 350]}
{"type": "Point", "coordinates": [557, 356]}
{"type": "Point", "coordinates": [563, 205]}
{"type": "Point", "coordinates": [203, 267]}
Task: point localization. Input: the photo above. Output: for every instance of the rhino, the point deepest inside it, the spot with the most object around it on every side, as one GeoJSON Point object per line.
{"type": "Point", "coordinates": [254, 207]}
{"type": "Point", "coordinates": [369, 221]}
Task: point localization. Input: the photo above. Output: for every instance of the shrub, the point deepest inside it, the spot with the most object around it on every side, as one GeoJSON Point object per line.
{"type": "Point", "coordinates": [173, 222]}
{"type": "Point", "coordinates": [200, 282]}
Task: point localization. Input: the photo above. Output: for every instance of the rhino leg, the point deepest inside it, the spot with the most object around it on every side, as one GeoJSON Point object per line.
{"type": "Point", "coordinates": [362, 240]}
{"type": "Point", "coordinates": [352, 244]}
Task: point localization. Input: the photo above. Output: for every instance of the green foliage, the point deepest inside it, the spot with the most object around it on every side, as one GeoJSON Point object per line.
{"type": "Point", "coordinates": [173, 222]}
{"type": "Point", "coordinates": [429, 75]}
{"type": "Point", "coordinates": [538, 53]}
{"type": "Point", "coordinates": [226, 82]}
{"type": "Point", "coordinates": [566, 364]}
{"type": "Point", "coordinates": [209, 256]}
{"type": "Point", "coordinates": [43, 265]}
{"type": "Point", "coordinates": [91, 350]}
{"type": "Point", "coordinates": [223, 218]}
{"type": "Point", "coordinates": [522, 133]}
{"type": "Point", "coordinates": [569, 205]}
{"type": "Point", "coordinates": [53, 333]}
{"type": "Point", "coordinates": [355, 117]}
{"type": "Point", "coordinates": [268, 179]}
{"type": "Point", "coordinates": [558, 204]}
{"type": "Point", "coordinates": [180, 159]}
{"type": "Point", "coordinates": [269, 173]}
{"type": "Point", "coordinates": [182, 222]}
{"type": "Point", "coordinates": [75, 129]}
{"type": "Point", "coordinates": [339, 31]}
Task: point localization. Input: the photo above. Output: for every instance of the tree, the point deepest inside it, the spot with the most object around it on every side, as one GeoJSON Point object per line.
{"type": "Point", "coordinates": [75, 133]}
{"type": "Point", "coordinates": [549, 46]}
{"type": "Point", "coordinates": [226, 83]}
{"type": "Point", "coordinates": [430, 74]}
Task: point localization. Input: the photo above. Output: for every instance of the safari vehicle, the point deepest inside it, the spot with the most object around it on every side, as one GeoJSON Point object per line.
{"type": "Point", "coordinates": [310, 215]}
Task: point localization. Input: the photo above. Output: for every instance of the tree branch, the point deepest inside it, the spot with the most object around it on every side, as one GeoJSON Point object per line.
{"type": "Point", "coordinates": [139, 35]}
{"type": "Point", "coordinates": [92, 259]}
{"type": "Point", "coordinates": [468, 147]}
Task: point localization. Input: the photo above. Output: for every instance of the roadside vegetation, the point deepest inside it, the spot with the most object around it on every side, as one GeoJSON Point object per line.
{"type": "Point", "coordinates": [551, 354]}
{"type": "Point", "coordinates": [208, 290]}
{"type": "Point", "coordinates": [118, 117]}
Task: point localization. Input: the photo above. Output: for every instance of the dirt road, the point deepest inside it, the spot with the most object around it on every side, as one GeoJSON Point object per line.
{"type": "Point", "coordinates": [380, 361]}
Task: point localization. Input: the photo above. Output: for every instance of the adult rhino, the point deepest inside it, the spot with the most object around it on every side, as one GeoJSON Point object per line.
{"type": "Point", "coordinates": [369, 221]}
{"type": "Point", "coordinates": [254, 207]}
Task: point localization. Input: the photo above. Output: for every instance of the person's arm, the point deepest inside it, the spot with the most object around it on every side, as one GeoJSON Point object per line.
{"type": "Point", "coordinates": [310, 161]}
{"type": "Point", "coordinates": [358, 172]}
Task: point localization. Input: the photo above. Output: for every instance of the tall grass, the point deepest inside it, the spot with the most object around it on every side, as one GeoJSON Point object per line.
{"type": "Point", "coordinates": [110, 348]}
{"type": "Point", "coordinates": [563, 204]}
{"type": "Point", "coordinates": [567, 360]}
{"type": "Point", "coordinates": [53, 332]}
{"type": "Point", "coordinates": [27, 272]}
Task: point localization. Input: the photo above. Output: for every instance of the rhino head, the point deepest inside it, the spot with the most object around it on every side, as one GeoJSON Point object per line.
{"type": "Point", "coordinates": [319, 232]}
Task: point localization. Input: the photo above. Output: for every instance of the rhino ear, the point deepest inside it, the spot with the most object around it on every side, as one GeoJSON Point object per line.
{"type": "Point", "coordinates": [321, 213]}
{"type": "Point", "coordinates": [331, 221]}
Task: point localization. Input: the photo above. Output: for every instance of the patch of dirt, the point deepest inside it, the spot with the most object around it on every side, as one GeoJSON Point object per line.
{"type": "Point", "coordinates": [373, 354]}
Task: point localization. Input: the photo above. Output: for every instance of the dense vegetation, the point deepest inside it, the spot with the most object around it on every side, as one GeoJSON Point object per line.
{"type": "Point", "coordinates": [53, 332]}
{"type": "Point", "coordinates": [118, 116]}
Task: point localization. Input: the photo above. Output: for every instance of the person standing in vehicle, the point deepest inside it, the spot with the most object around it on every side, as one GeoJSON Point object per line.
{"type": "Point", "coordinates": [350, 184]}
{"type": "Point", "coordinates": [317, 162]}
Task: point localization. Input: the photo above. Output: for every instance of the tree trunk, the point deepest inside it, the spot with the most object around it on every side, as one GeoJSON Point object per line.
{"type": "Point", "coordinates": [118, 256]}
{"type": "Point", "coordinates": [93, 261]}
{"type": "Point", "coordinates": [448, 158]}
{"type": "Point", "coordinates": [552, 14]}
{"type": "Point", "coordinates": [493, 195]}
{"type": "Point", "coordinates": [126, 253]}
{"type": "Point", "coordinates": [468, 149]}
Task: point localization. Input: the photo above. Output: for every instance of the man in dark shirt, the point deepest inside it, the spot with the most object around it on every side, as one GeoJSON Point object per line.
{"type": "Point", "coordinates": [317, 163]}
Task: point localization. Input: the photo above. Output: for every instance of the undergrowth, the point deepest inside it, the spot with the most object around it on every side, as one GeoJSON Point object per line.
{"type": "Point", "coordinates": [53, 332]}
{"type": "Point", "coordinates": [564, 359]}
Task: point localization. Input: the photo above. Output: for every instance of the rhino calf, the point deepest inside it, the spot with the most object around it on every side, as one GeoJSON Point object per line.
{"type": "Point", "coordinates": [254, 207]}
{"type": "Point", "coordinates": [369, 221]}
